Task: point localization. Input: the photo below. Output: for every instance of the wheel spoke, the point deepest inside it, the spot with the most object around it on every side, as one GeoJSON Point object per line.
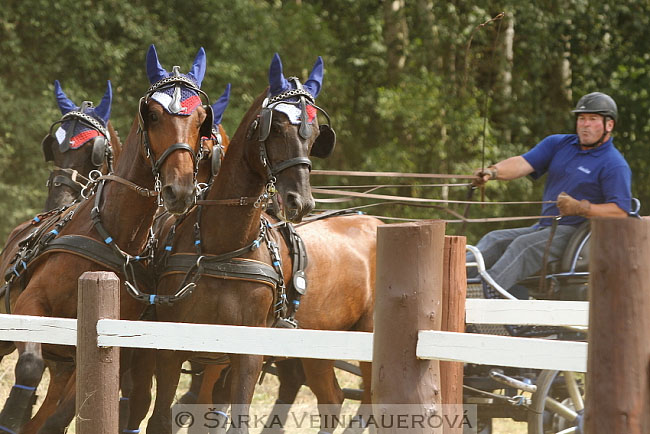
{"type": "Point", "coordinates": [561, 409]}
{"type": "Point", "coordinates": [574, 390]}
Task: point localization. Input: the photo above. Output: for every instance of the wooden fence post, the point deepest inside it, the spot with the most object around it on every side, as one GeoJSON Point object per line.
{"type": "Point", "coordinates": [454, 292]}
{"type": "Point", "coordinates": [618, 364]}
{"type": "Point", "coordinates": [408, 299]}
{"type": "Point", "coordinates": [98, 369]}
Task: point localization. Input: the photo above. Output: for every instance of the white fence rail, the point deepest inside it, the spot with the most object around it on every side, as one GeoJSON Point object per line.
{"type": "Point", "coordinates": [337, 345]}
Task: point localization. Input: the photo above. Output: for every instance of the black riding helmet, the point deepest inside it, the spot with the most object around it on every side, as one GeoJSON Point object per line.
{"type": "Point", "coordinates": [599, 103]}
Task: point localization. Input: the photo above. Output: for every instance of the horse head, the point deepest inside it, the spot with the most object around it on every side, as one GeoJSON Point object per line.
{"type": "Point", "coordinates": [172, 120]}
{"type": "Point", "coordinates": [287, 130]}
{"type": "Point", "coordinates": [82, 129]}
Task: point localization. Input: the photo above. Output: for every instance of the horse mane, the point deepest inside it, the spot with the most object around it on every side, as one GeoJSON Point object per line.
{"type": "Point", "coordinates": [247, 120]}
{"type": "Point", "coordinates": [116, 142]}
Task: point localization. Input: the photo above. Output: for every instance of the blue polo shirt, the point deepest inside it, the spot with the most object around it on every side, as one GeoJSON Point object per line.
{"type": "Point", "coordinates": [600, 175]}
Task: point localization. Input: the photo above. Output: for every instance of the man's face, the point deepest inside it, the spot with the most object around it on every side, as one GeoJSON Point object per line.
{"type": "Point", "coordinates": [590, 127]}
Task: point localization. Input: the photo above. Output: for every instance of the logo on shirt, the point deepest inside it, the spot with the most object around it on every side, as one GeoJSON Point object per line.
{"type": "Point", "coordinates": [584, 169]}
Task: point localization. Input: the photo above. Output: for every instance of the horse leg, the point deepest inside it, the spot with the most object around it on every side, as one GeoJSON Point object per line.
{"type": "Point", "coordinates": [365, 408]}
{"type": "Point", "coordinates": [196, 385]}
{"type": "Point", "coordinates": [291, 377]}
{"type": "Point", "coordinates": [60, 373]}
{"type": "Point", "coordinates": [210, 378]}
{"type": "Point", "coordinates": [29, 371]}
{"type": "Point", "coordinates": [168, 372]}
{"type": "Point", "coordinates": [136, 388]}
{"type": "Point", "coordinates": [245, 370]}
{"type": "Point", "coordinates": [323, 383]}
{"type": "Point", "coordinates": [58, 422]}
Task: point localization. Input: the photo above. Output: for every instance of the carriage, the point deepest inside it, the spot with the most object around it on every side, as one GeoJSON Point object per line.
{"type": "Point", "coordinates": [550, 401]}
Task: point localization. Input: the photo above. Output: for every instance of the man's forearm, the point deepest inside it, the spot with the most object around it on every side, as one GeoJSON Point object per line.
{"type": "Point", "coordinates": [513, 168]}
{"type": "Point", "coordinates": [605, 210]}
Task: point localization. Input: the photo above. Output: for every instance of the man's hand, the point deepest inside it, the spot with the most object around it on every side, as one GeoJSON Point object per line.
{"type": "Point", "coordinates": [570, 206]}
{"type": "Point", "coordinates": [481, 176]}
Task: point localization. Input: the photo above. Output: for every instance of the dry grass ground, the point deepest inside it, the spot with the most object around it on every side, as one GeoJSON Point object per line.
{"type": "Point", "coordinates": [265, 393]}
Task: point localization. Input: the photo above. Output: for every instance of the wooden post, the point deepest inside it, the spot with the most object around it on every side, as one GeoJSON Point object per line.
{"type": "Point", "coordinates": [408, 299]}
{"type": "Point", "coordinates": [454, 292]}
{"type": "Point", "coordinates": [618, 377]}
{"type": "Point", "coordinates": [98, 369]}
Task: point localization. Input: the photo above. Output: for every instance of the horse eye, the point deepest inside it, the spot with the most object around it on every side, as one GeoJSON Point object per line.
{"type": "Point", "coordinates": [153, 116]}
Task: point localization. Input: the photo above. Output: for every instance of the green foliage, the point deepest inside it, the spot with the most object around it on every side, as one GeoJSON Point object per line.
{"type": "Point", "coordinates": [450, 111]}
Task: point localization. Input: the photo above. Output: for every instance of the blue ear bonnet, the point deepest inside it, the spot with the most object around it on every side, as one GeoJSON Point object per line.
{"type": "Point", "coordinates": [219, 107]}
{"type": "Point", "coordinates": [278, 83]}
{"type": "Point", "coordinates": [74, 131]}
{"type": "Point", "coordinates": [101, 113]}
{"type": "Point", "coordinates": [156, 72]}
{"type": "Point", "coordinates": [177, 98]}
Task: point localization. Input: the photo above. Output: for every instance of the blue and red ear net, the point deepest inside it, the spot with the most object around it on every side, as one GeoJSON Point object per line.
{"type": "Point", "coordinates": [189, 99]}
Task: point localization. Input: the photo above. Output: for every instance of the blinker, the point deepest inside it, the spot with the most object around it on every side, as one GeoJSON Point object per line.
{"type": "Point", "coordinates": [265, 123]}
{"type": "Point", "coordinates": [46, 144]}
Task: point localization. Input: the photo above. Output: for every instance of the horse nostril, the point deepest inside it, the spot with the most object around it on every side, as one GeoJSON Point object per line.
{"type": "Point", "coordinates": [168, 194]}
{"type": "Point", "coordinates": [296, 206]}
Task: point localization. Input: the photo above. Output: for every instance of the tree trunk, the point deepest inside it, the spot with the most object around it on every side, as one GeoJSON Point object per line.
{"type": "Point", "coordinates": [395, 38]}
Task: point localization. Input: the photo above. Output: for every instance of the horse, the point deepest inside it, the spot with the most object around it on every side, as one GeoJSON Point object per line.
{"type": "Point", "coordinates": [340, 271]}
{"type": "Point", "coordinates": [81, 143]}
{"type": "Point", "coordinates": [268, 155]}
{"type": "Point", "coordinates": [109, 230]}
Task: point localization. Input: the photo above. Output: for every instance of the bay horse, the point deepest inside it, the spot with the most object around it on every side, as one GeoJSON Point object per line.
{"type": "Point", "coordinates": [157, 167]}
{"type": "Point", "coordinates": [268, 155]}
{"type": "Point", "coordinates": [340, 271]}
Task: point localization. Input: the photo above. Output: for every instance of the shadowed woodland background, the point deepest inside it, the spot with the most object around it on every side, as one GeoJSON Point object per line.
{"type": "Point", "coordinates": [406, 89]}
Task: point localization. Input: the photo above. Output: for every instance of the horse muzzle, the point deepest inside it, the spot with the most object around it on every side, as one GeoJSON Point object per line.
{"type": "Point", "coordinates": [177, 199]}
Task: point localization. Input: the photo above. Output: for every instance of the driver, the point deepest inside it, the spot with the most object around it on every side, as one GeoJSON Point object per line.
{"type": "Point", "coordinates": [587, 176]}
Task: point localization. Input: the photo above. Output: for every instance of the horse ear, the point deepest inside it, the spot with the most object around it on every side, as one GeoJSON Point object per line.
{"type": "Point", "coordinates": [155, 71]}
{"type": "Point", "coordinates": [65, 104]}
{"type": "Point", "coordinates": [219, 107]}
{"type": "Point", "coordinates": [103, 110]}
{"type": "Point", "coordinates": [315, 80]}
{"type": "Point", "coordinates": [276, 78]}
{"type": "Point", "coordinates": [197, 72]}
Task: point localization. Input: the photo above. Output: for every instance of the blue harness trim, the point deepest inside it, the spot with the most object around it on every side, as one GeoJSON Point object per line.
{"type": "Point", "coordinates": [20, 386]}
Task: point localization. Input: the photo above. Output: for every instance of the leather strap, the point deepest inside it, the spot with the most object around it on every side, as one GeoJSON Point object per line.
{"type": "Point", "coordinates": [96, 251]}
{"type": "Point", "coordinates": [212, 266]}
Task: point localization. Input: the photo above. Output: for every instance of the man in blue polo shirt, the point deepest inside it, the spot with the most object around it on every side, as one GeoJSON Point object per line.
{"type": "Point", "coordinates": [587, 177]}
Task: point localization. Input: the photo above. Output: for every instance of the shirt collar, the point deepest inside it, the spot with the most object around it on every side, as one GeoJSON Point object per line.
{"type": "Point", "coordinates": [593, 151]}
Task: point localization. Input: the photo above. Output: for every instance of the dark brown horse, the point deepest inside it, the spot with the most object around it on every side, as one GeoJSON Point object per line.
{"type": "Point", "coordinates": [81, 141]}
{"type": "Point", "coordinates": [159, 159]}
{"type": "Point", "coordinates": [268, 155]}
{"type": "Point", "coordinates": [84, 141]}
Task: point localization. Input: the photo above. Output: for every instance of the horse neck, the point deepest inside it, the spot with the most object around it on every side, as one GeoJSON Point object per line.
{"type": "Point", "coordinates": [125, 214]}
{"type": "Point", "coordinates": [226, 227]}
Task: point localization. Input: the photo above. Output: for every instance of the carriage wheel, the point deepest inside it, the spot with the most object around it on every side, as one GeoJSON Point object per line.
{"type": "Point", "coordinates": [558, 405]}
